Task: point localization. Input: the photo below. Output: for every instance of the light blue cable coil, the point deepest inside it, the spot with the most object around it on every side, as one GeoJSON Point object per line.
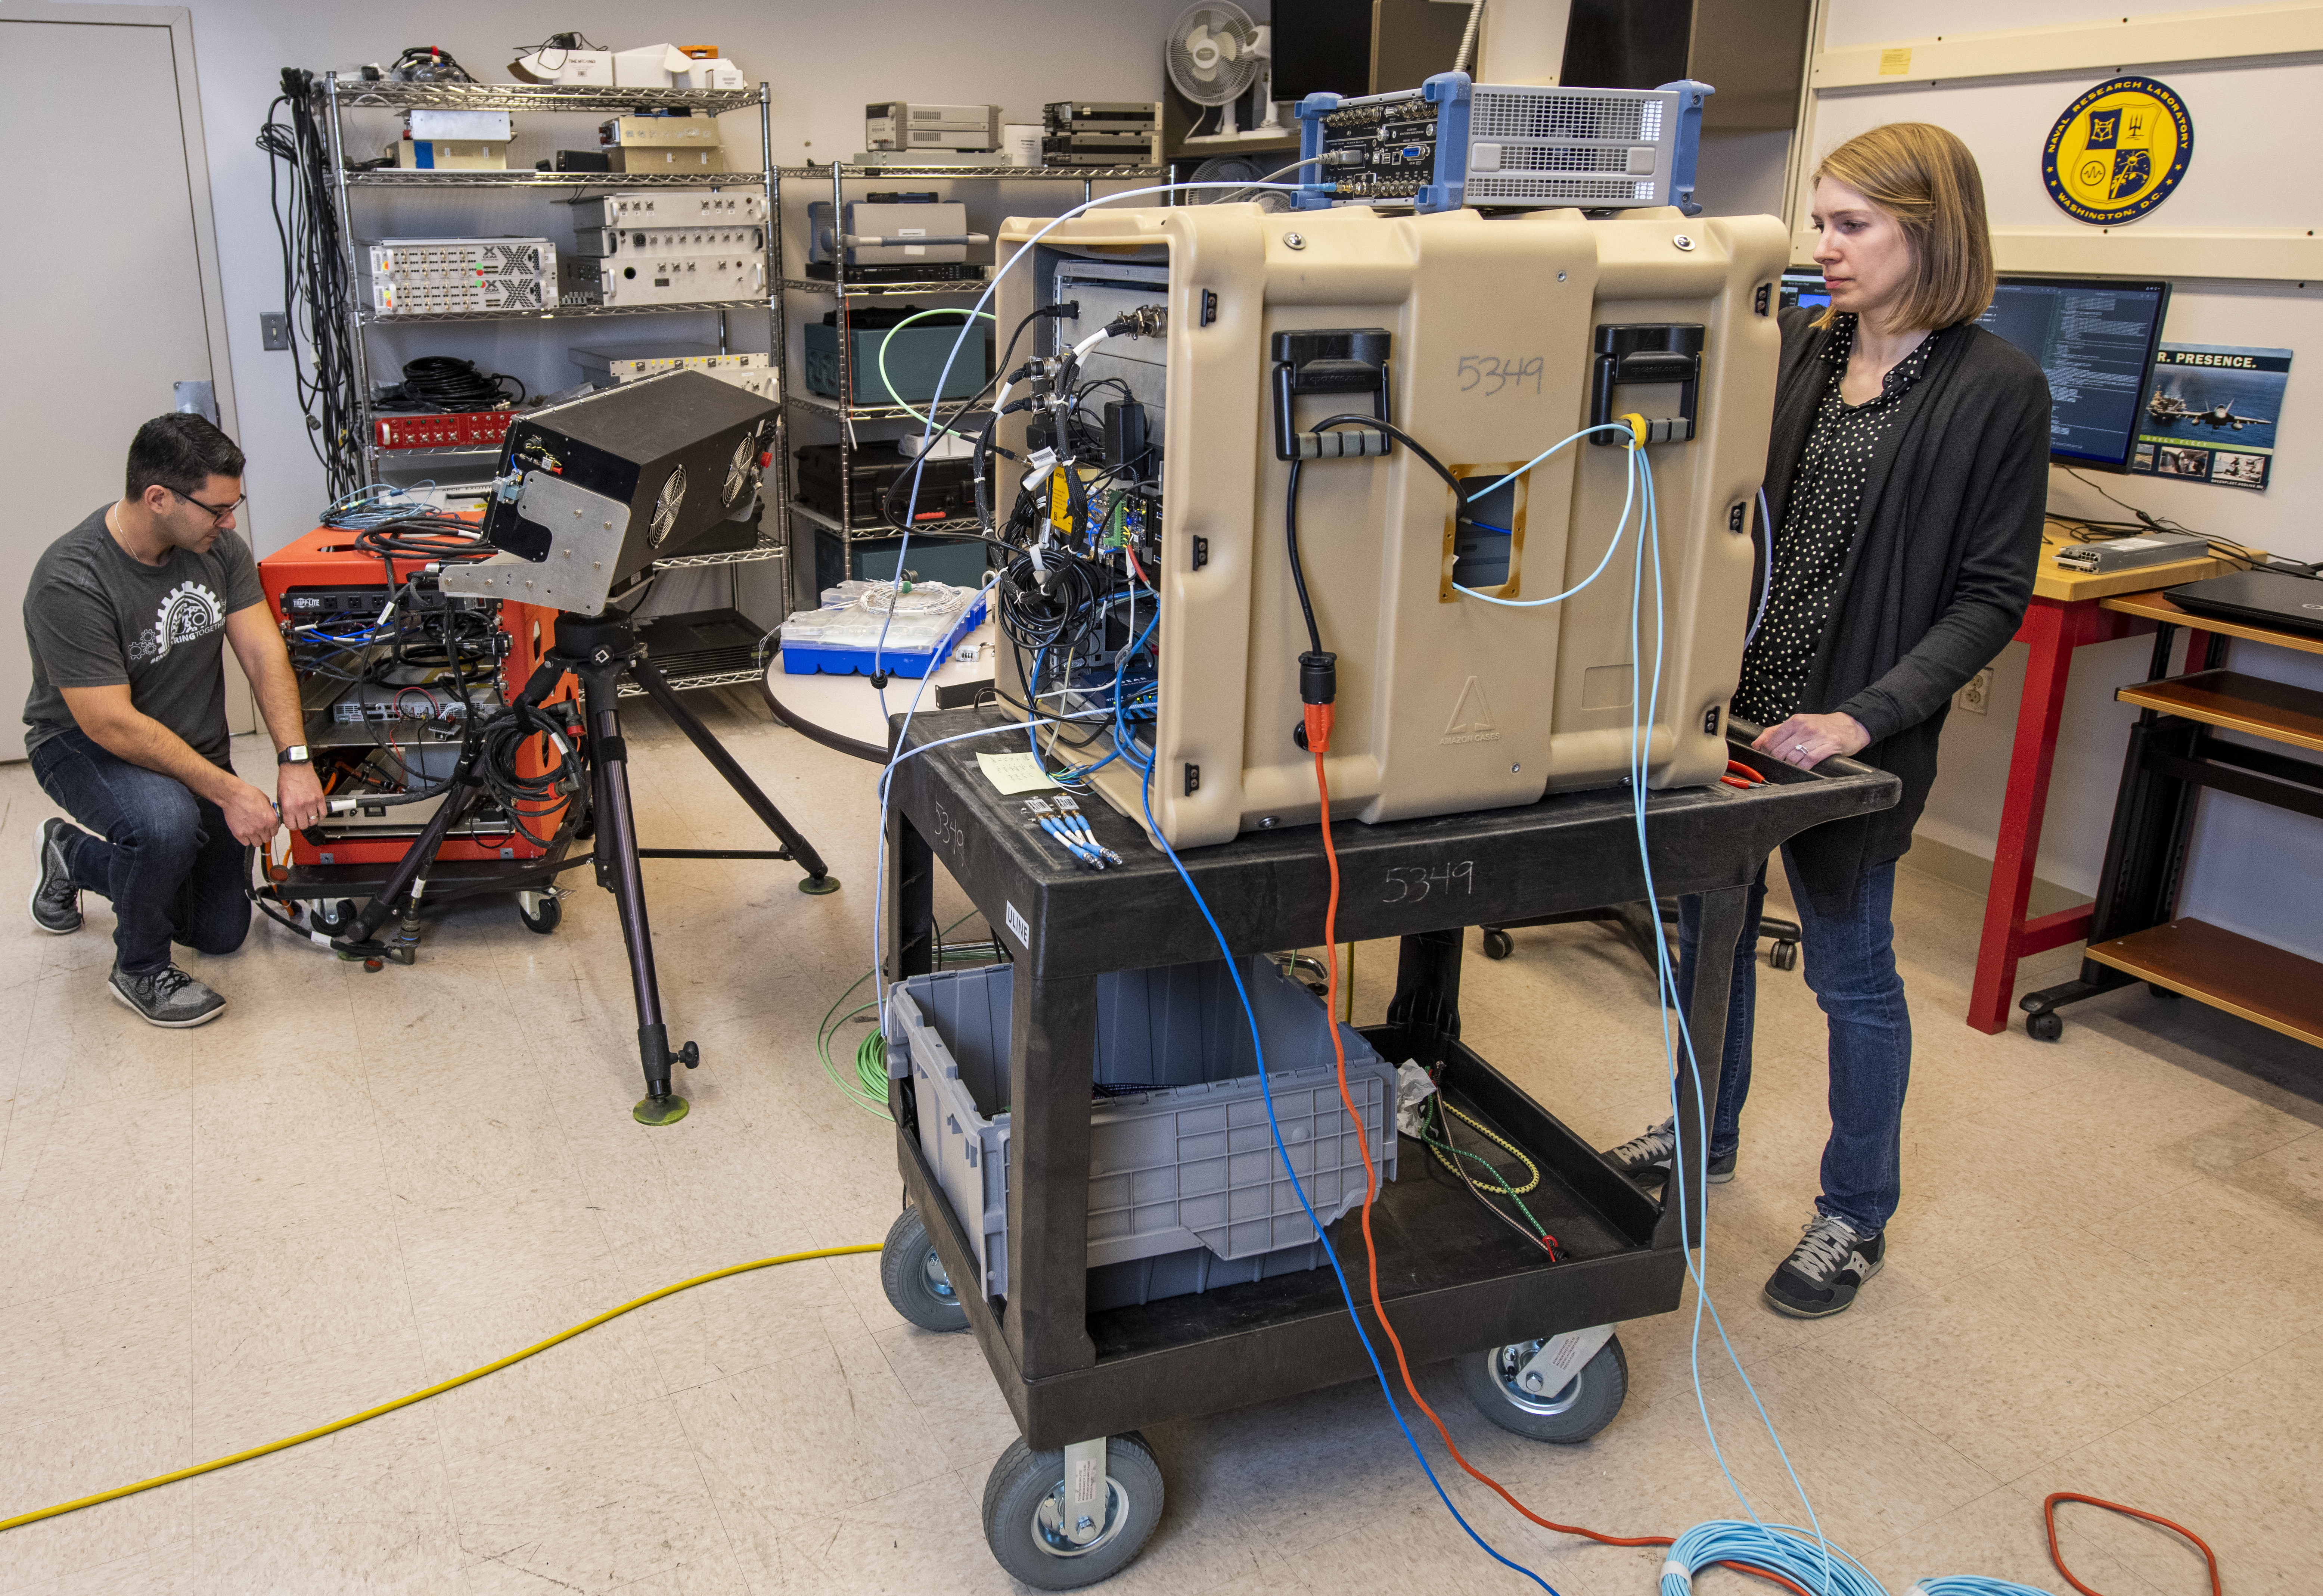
{"type": "Point", "coordinates": [1777, 1547]}
{"type": "Point", "coordinates": [1970, 1584]}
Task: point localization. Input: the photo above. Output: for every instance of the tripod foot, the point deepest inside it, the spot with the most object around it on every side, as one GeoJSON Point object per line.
{"type": "Point", "coordinates": [659, 1111]}
{"type": "Point", "coordinates": [817, 886]}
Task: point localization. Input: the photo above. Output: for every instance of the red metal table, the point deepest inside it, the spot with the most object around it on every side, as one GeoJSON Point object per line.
{"type": "Point", "coordinates": [2067, 613]}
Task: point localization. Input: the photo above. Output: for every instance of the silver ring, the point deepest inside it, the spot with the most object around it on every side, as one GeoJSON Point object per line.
{"type": "Point", "coordinates": [1796, 747]}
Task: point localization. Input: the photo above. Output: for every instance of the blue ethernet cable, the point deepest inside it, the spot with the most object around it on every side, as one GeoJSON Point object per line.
{"type": "Point", "coordinates": [1639, 764]}
{"type": "Point", "coordinates": [1628, 498]}
{"type": "Point", "coordinates": [1274, 1129]}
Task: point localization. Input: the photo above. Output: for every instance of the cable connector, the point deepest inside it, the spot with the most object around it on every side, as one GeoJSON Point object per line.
{"type": "Point", "coordinates": [1147, 321]}
{"type": "Point", "coordinates": [1319, 686]}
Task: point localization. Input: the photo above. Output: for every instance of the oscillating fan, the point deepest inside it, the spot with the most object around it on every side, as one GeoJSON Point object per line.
{"type": "Point", "coordinates": [1215, 55]}
{"type": "Point", "coordinates": [1238, 169]}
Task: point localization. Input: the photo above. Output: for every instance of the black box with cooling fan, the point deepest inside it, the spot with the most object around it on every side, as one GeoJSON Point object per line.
{"type": "Point", "coordinates": [602, 486]}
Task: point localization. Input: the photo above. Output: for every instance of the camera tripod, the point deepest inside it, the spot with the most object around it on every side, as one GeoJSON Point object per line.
{"type": "Point", "coordinates": [601, 650]}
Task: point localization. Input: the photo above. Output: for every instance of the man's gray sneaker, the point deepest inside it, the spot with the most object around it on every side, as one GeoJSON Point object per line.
{"type": "Point", "coordinates": [56, 901]}
{"type": "Point", "coordinates": [1826, 1269]}
{"type": "Point", "coordinates": [1649, 1156]}
{"type": "Point", "coordinates": [168, 997]}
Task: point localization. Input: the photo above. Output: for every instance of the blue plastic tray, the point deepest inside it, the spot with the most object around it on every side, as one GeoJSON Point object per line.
{"type": "Point", "coordinates": [811, 659]}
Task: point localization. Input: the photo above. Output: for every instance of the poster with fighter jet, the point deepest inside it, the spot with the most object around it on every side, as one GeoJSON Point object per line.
{"type": "Point", "coordinates": [2210, 414]}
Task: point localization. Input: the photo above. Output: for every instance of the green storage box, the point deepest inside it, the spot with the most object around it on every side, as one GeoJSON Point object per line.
{"type": "Point", "coordinates": [956, 560]}
{"type": "Point", "coordinates": [915, 357]}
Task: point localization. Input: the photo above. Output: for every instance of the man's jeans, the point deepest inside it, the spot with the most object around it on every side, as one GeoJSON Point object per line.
{"type": "Point", "coordinates": [162, 855]}
{"type": "Point", "coordinates": [1851, 967]}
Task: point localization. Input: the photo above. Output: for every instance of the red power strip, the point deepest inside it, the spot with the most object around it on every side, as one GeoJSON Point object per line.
{"type": "Point", "coordinates": [467, 429]}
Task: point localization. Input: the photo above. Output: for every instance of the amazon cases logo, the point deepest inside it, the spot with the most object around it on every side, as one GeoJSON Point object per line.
{"type": "Point", "coordinates": [1472, 718]}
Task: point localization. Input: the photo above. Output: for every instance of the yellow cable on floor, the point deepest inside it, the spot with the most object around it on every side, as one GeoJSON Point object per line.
{"type": "Point", "coordinates": [434, 1390]}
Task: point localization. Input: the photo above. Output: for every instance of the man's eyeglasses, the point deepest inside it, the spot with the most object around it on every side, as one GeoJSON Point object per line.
{"type": "Point", "coordinates": [217, 512]}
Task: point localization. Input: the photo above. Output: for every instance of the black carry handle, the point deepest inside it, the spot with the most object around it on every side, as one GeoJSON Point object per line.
{"type": "Point", "coordinates": [1330, 360]}
{"type": "Point", "coordinates": [1665, 352]}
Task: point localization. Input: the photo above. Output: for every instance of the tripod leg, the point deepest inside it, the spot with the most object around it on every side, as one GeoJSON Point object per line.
{"type": "Point", "coordinates": [459, 794]}
{"type": "Point", "coordinates": [617, 861]}
{"type": "Point", "coordinates": [819, 879]}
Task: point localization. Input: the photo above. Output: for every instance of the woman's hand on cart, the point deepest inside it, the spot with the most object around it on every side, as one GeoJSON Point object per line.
{"type": "Point", "coordinates": [1807, 741]}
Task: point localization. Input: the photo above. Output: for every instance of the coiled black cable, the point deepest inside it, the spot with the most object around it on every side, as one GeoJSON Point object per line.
{"type": "Point", "coordinates": [442, 539]}
{"type": "Point", "coordinates": [500, 742]}
{"type": "Point", "coordinates": [447, 383]}
{"type": "Point", "coordinates": [317, 299]}
{"type": "Point", "coordinates": [1291, 506]}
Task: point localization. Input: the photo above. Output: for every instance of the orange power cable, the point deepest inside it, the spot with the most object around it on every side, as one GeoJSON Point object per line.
{"type": "Point", "coordinates": [1318, 730]}
{"type": "Point", "coordinates": [2049, 1518]}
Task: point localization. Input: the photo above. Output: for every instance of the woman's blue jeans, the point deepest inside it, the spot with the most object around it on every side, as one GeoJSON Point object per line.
{"type": "Point", "coordinates": [1850, 967]}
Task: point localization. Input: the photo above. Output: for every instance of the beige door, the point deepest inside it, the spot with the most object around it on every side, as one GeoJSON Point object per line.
{"type": "Point", "coordinates": [110, 283]}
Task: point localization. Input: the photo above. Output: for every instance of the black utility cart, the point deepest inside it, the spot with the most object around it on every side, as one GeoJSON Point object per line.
{"type": "Point", "coordinates": [1074, 1500]}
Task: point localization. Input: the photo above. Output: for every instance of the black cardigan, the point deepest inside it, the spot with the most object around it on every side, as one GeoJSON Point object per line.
{"type": "Point", "coordinates": [1940, 573]}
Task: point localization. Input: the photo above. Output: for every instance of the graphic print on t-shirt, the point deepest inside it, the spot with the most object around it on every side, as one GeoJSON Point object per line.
{"type": "Point", "coordinates": [190, 611]}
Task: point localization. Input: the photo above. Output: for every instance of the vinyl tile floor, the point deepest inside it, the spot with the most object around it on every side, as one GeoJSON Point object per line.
{"type": "Point", "coordinates": [2106, 1277]}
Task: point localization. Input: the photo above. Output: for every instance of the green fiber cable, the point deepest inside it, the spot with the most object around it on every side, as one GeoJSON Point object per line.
{"type": "Point", "coordinates": [1498, 1179]}
{"type": "Point", "coordinates": [868, 1089]}
{"type": "Point", "coordinates": [933, 399]}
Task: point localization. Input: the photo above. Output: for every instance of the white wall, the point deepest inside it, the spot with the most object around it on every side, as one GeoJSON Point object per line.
{"type": "Point", "coordinates": [2251, 868]}
{"type": "Point", "coordinates": [825, 62]}
{"type": "Point", "coordinates": [1741, 174]}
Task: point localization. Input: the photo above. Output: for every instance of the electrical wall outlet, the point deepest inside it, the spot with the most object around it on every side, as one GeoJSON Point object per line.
{"type": "Point", "coordinates": [273, 330]}
{"type": "Point", "coordinates": [1976, 697]}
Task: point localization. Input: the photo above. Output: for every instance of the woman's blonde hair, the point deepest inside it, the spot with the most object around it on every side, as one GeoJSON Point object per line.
{"type": "Point", "coordinates": [1925, 177]}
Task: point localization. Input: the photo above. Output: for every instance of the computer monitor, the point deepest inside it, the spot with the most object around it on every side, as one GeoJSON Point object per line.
{"type": "Point", "coordinates": [2094, 340]}
{"type": "Point", "coordinates": [1321, 46]}
{"type": "Point", "coordinates": [1805, 288]}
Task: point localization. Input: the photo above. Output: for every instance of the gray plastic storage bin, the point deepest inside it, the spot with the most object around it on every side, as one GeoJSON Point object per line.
{"type": "Point", "coordinates": [1180, 1154]}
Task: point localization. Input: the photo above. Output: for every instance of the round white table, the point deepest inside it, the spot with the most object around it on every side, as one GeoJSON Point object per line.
{"type": "Point", "coordinates": [846, 712]}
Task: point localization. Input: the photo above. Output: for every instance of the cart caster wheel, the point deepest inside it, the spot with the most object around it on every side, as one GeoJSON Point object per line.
{"type": "Point", "coordinates": [329, 918]}
{"type": "Point", "coordinates": [1497, 944]}
{"type": "Point", "coordinates": [541, 912]}
{"type": "Point", "coordinates": [913, 1276]}
{"type": "Point", "coordinates": [1783, 956]}
{"type": "Point", "coordinates": [2044, 1027]}
{"type": "Point", "coordinates": [1585, 1405]}
{"type": "Point", "coordinates": [1025, 1497]}
{"type": "Point", "coordinates": [2164, 992]}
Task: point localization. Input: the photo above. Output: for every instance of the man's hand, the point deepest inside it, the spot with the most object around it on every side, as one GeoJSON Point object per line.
{"type": "Point", "coordinates": [1807, 741]}
{"type": "Point", "coordinates": [298, 795]}
{"type": "Point", "coordinates": [249, 815]}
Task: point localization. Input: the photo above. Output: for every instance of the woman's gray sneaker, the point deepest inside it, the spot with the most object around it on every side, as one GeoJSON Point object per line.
{"type": "Point", "coordinates": [56, 901]}
{"type": "Point", "coordinates": [1826, 1269]}
{"type": "Point", "coordinates": [1649, 1155]}
{"type": "Point", "coordinates": [168, 997]}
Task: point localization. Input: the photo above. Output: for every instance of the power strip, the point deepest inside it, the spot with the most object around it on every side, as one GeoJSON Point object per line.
{"type": "Point", "coordinates": [466, 429]}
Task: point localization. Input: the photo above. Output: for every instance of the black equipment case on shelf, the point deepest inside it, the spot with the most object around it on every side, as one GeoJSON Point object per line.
{"type": "Point", "coordinates": [947, 488]}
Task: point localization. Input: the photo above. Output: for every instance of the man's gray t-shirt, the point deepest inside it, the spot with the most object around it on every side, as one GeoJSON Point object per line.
{"type": "Point", "coordinates": [95, 616]}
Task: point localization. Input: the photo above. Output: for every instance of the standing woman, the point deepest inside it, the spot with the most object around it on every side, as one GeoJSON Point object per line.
{"type": "Point", "coordinates": [1907, 477]}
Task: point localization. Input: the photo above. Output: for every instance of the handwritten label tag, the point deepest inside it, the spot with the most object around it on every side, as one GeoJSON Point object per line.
{"type": "Point", "coordinates": [1014, 773]}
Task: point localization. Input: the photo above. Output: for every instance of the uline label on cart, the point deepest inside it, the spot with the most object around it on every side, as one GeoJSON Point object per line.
{"type": "Point", "coordinates": [1084, 1480]}
{"type": "Point", "coordinates": [1021, 931]}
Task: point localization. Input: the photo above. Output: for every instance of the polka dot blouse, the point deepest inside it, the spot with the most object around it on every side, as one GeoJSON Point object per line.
{"type": "Point", "coordinates": [1818, 524]}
